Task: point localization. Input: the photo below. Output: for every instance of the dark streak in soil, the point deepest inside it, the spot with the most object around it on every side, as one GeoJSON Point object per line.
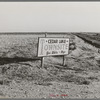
{"type": "Point", "coordinates": [6, 60]}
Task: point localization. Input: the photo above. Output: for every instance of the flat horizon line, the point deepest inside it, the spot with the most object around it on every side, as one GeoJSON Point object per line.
{"type": "Point", "coordinates": [27, 33]}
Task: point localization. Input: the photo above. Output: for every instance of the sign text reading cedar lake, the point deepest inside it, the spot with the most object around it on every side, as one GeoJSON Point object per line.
{"type": "Point", "coordinates": [53, 46]}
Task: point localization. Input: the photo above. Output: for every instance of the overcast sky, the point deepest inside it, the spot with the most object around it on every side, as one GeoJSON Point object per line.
{"type": "Point", "coordinates": [49, 16]}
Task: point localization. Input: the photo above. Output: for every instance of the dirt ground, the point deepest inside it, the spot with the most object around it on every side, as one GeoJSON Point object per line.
{"type": "Point", "coordinates": [79, 78]}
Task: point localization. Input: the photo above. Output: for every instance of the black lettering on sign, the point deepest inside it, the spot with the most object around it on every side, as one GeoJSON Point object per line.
{"type": "Point", "coordinates": [62, 51]}
{"type": "Point", "coordinates": [62, 41]}
{"type": "Point", "coordinates": [56, 47]}
{"type": "Point", "coordinates": [54, 52]}
{"type": "Point", "coordinates": [50, 47]}
{"type": "Point", "coordinates": [46, 47]}
{"type": "Point", "coordinates": [52, 41]}
{"type": "Point", "coordinates": [47, 53]}
{"type": "Point", "coordinates": [66, 46]}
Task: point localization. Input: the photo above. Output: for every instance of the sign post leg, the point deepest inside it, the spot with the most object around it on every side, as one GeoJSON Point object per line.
{"type": "Point", "coordinates": [43, 57]}
{"type": "Point", "coordinates": [42, 62]}
{"type": "Point", "coordinates": [63, 60]}
{"type": "Point", "coordinates": [45, 34]}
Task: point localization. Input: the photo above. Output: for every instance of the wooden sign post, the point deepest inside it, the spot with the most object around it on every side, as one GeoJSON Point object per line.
{"type": "Point", "coordinates": [42, 58]}
{"type": "Point", "coordinates": [52, 46]}
{"type": "Point", "coordinates": [63, 60]}
{"type": "Point", "coordinates": [42, 62]}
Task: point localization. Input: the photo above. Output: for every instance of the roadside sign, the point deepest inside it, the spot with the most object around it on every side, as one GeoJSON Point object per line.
{"type": "Point", "coordinates": [53, 46]}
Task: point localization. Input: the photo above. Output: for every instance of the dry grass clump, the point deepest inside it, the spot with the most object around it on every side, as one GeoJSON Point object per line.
{"type": "Point", "coordinates": [75, 79]}
{"type": "Point", "coordinates": [19, 72]}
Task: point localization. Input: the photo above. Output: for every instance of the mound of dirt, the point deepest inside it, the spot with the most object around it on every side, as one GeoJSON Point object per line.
{"type": "Point", "coordinates": [84, 57]}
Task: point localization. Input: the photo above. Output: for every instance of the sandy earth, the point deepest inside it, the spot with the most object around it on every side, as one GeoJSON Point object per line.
{"type": "Point", "coordinates": [79, 78]}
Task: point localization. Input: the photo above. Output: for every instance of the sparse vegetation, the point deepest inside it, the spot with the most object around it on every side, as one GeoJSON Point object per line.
{"type": "Point", "coordinates": [93, 39]}
{"type": "Point", "coordinates": [20, 69]}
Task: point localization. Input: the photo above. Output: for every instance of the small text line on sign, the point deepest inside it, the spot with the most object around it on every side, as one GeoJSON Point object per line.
{"type": "Point", "coordinates": [53, 46]}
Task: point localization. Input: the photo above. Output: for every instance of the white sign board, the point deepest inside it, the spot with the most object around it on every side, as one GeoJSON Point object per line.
{"type": "Point", "coordinates": [53, 46]}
